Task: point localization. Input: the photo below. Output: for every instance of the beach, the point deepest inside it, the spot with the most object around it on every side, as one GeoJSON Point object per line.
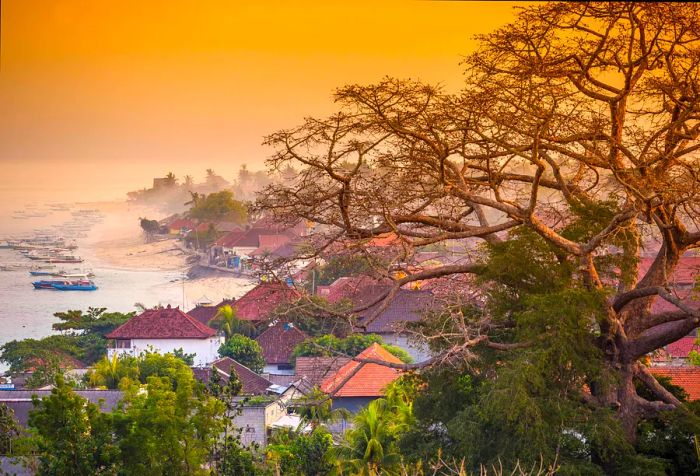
{"type": "Point", "coordinates": [134, 253]}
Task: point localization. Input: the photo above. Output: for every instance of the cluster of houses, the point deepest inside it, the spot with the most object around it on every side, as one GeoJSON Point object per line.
{"type": "Point", "coordinates": [269, 396]}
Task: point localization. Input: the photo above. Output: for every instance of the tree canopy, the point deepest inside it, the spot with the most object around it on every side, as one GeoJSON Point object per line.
{"type": "Point", "coordinates": [569, 154]}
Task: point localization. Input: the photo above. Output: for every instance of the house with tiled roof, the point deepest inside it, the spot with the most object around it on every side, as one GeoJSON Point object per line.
{"type": "Point", "coordinates": [277, 343]}
{"type": "Point", "coordinates": [317, 369]}
{"type": "Point", "coordinates": [165, 330]}
{"type": "Point", "coordinates": [204, 313]}
{"type": "Point", "coordinates": [259, 303]}
{"type": "Point", "coordinates": [180, 226]}
{"type": "Point", "coordinates": [251, 383]}
{"type": "Point", "coordinates": [408, 305]}
{"type": "Point", "coordinates": [688, 378]}
{"type": "Point", "coordinates": [356, 384]}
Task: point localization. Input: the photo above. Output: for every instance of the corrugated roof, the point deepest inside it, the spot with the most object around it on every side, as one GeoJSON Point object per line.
{"type": "Point", "coordinates": [369, 381]}
{"type": "Point", "coordinates": [163, 323]}
{"type": "Point", "coordinates": [21, 400]}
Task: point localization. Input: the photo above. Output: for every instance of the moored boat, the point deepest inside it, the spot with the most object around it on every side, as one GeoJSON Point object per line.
{"type": "Point", "coordinates": [82, 285]}
{"type": "Point", "coordinates": [46, 284]}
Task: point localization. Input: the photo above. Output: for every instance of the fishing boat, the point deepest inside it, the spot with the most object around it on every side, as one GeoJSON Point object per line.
{"type": "Point", "coordinates": [82, 285]}
{"type": "Point", "coordinates": [47, 284]}
{"type": "Point", "coordinates": [65, 259]}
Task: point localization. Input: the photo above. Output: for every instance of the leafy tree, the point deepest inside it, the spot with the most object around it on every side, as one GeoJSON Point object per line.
{"type": "Point", "coordinates": [170, 180]}
{"type": "Point", "coordinates": [149, 227]}
{"type": "Point", "coordinates": [571, 149]}
{"type": "Point", "coordinates": [186, 358]}
{"type": "Point", "coordinates": [70, 434]}
{"type": "Point", "coordinates": [295, 453]}
{"type": "Point", "coordinates": [9, 429]}
{"type": "Point", "coordinates": [171, 427]}
{"type": "Point", "coordinates": [352, 345]}
{"type": "Point", "coordinates": [228, 322]}
{"type": "Point", "coordinates": [219, 206]}
{"type": "Point", "coordinates": [245, 351]}
{"type": "Point", "coordinates": [317, 317]}
{"type": "Point", "coordinates": [315, 409]}
{"type": "Point", "coordinates": [343, 265]}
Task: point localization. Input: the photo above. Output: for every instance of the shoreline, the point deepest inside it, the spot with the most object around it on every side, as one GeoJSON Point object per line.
{"type": "Point", "coordinates": [134, 254]}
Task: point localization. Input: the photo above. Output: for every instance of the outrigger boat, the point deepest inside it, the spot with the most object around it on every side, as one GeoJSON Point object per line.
{"type": "Point", "coordinates": [81, 285]}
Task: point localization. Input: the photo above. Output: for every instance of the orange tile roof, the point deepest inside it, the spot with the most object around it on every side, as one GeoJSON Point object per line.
{"type": "Point", "coordinates": [686, 377]}
{"type": "Point", "coordinates": [369, 381]}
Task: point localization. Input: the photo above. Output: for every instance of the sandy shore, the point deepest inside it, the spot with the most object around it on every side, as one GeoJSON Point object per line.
{"type": "Point", "coordinates": [134, 253]}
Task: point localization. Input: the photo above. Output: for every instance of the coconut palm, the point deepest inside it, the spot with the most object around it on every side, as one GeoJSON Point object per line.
{"type": "Point", "coordinates": [369, 448]}
{"type": "Point", "coordinates": [316, 409]}
{"type": "Point", "coordinates": [110, 372]}
{"type": "Point", "coordinates": [227, 322]}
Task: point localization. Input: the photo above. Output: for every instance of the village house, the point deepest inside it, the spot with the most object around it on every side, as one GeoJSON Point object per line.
{"type": "Point", "coordinates": [259, 303]}
{"type": "Point", "coordinates": [356, 384]}
{"type": "Point", "coordinates": [407, 306]}
{"type": "Point", "coordinates": [278, 342]}
{"type": "Point", "coordinates": [263, 405]}
{"type": "Point", "coordinates": [165, 330]}
{"type": "Point", "coordinates": [205, 312]}
{"type": "Point", "coordinates": [180, 226]}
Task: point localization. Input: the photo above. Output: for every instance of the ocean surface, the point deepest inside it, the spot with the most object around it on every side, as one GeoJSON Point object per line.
{"type": "Point", "coordinates": [26, 312]}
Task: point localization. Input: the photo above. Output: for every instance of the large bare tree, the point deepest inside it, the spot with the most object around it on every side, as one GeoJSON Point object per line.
{"type": "Point", "coordinates": [573, 105]}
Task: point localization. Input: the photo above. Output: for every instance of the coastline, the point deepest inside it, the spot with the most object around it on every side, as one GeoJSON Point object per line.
{"type": "Point", "coordinates": [134, 254]}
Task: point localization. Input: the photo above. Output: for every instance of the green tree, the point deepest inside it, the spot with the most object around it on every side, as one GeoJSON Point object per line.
{"type": "Point", "coordinates": [352, 345]}
{"type": "Point", "coordinates": [316, 409]}
{"type": "Point", "coordinates": [228, 322]}
{"type": "Point", "coordinates": [71, 436]}
{"type": "Point", "coordinates": [171, 427]}
{"type": "Point", "coordinates": [9, 429]}
{"type": "Point", "coordinates": [109, 373]}
{"type": "Point", "coordinates": [245, 351]}
{"type": "Point", "coordinates": [219, 206]}
{"type": "Point", "coordinates": [369, 447]}
{"type": "Point", "coordinates": [296, 453]}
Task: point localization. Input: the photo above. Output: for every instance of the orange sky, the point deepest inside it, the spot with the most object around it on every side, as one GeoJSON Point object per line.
{"type": "Point", "coordinates": [117, 91]}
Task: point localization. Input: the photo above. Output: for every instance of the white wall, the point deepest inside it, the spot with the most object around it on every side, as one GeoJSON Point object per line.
{"type": "Point", "coordinates": [420, 353]}
{"type": "Point", "coordinates": [206, 350]}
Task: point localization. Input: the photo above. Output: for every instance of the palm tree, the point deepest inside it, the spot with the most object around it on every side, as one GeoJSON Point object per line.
{"type": "Point", "coordinates": [170, 179]}
{"type": "Point", "coordinates": [188, 181]}
{"type": "Point", "coordinates": [316, 409]}
{"type": "Point", "coordinates": [227, 322]}
{"type": "Point", "coordinates": [110, 372]}
{"type": "Point", "coordinates": [369, 448]}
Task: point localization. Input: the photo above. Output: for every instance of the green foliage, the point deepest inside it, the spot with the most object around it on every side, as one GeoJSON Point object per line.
{"type": "Point", "coordinates": [9, 429]}
{"type": "Point", "coordinates": [295, 453]}
{"type": "Point", "coordinates": [245, 351]}
{"type": "Point", "coordinates": [315, 409]}
{"type": "Point", "coordinates": [228, 322]}
{"type": "Point", "coordinates": [352, 345]}
{"type": "Point", "coordinates": [186, 358]}
{"type": "Point", "coordinates": [316, 316]}
{"type": "Point", "coordinates": [109, 373]}
{"type": "Point", "coordinates": [71, 436]}
{"type": "Point", "coordinates": [170, 428]}
{"type": "Point", "coordinates": [219, 206]}
{"type": "Point", "coordinates": [150, 227]}
{"type": "Point", "coordinates": [344, 265]}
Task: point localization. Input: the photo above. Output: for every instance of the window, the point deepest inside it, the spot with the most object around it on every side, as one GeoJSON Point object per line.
{"type": "Point", "coordinates": [122, 344]}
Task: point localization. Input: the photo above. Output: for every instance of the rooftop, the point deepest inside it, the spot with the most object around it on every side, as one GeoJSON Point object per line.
{"type": "Point", "coordinates": [686, 377]}
{"type": "Point", "coordinates": [369, 380]}
{"type": "Point", "coordinates": [205, 314]}
{"type": "Point", "coordinates": [317, 369]}
{"type": "Point", "coordinates": [163, 323]}
{"type": "Point", "coordinates": [258, 303]}
{"type": "Point", "coordinates": [278, 342]}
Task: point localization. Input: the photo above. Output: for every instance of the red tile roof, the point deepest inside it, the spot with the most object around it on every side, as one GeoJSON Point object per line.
{"type": "Point", "coordinates": [682, 347]}
{"type": "Point", "coordinates": [252, 383]}
{"type": "Point", "coordinates": [269, 243]}
{"type": "Point", "coordinates": [317, 369]}
{"type": "Point", "coordinates": [407, 305]}
{"type": "Point", "coordinates": [368, 381]}
{"type": "Point", "coordinates": [278, 342]}
{"type": "Point", "coordinates": [181, 223]}
{"type": "Point", "coordinates": [163, 323]}
{"type": "Point", "coordinates": [258, 303]}
{"type": "Point", "coordinates": [686, 377]}
{"type": "Point", "coordinates": [205, 314]}
{"type": "Point", "coordinates": [229, 239]}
